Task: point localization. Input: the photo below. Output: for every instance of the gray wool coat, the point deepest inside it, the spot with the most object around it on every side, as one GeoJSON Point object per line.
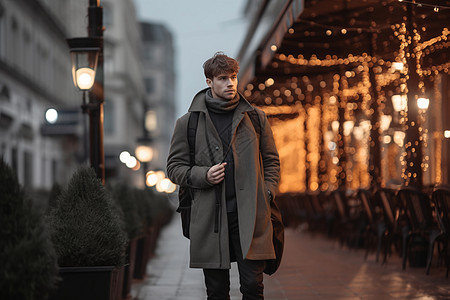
{"type": "Point", "coordinates": [255, 175]}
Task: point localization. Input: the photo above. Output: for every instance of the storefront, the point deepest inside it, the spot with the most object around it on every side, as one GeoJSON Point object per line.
{"type": "Point", "coordinates": [357, 92]}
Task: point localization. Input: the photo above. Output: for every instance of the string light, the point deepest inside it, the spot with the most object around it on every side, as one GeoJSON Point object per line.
{"type": "Point", "coordinates": [297, 98]}
{"type": "Point", "coordinates": [333, 28]}
{"type": "Point", "coordinates": [435, 7]}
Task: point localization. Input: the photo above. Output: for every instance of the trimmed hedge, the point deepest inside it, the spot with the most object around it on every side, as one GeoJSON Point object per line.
{"type": "Point", "coordinates": [28, 260]}
{"type": "Point", "coordinates": [86, 226]}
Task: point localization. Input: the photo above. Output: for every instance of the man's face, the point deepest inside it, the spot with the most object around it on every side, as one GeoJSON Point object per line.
{"type": "Point", "coordinates": [223, 86]}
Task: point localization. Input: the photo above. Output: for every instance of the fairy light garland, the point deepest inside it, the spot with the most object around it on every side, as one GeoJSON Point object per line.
{"type": "Point", "coordinates": [332, 28]}
{"type": "Point", "coordinates": [293, 91]}
{"type": "Point", "coordinates": [329, 61]}
{"type": "Point", "coordinates": [291, 147]}
{"type": "Point", "coordinates": [432, 41]}
{"type": "Point", "coordinates": [435, 7]}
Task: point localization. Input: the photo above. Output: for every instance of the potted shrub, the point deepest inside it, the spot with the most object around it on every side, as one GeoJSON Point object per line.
{"type": "Point", "coordinates": [155, 211]}
{"type": "Point", "coordinates": [123, 195]}
{"type": "Point", "coordinates": [161, 212]}
{"type": "Point", "coordinates": [28, 270]}
{"type": "Point", "coordinates": [53, 195]}
{"type": "Point", "coordinates": [89, 238]}
{"type": "Point", "coordinates": [143, 242]}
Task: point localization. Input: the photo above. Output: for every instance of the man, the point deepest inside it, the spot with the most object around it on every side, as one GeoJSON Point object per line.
{"type": "Point", "coordinates": [235, 176]}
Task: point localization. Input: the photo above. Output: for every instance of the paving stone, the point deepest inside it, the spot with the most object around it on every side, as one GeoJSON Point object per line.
{"type": "Point", "coordinates": [313, 267]}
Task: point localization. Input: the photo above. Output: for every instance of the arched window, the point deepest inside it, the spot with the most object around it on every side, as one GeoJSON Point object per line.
{"type": "Point", "coordinates": [5, 95]}
{"type": "Point", "coordinates": [2, 32]}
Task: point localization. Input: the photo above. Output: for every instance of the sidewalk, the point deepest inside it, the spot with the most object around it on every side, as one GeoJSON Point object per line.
{"type": "Point", "coordinates": [312, 268]}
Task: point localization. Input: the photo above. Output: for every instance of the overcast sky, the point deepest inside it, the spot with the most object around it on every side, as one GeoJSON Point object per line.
{"type": "Point", "coordinates": [200, 28]}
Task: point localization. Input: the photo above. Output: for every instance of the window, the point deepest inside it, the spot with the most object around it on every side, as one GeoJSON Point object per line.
{"type": "Point", "coordinates": [3, 42]}
{"type": "Point", "coordinates": [107, 15]}
{"type": "Point", "coordinates": [14, 160]}
{"type": "Point", "coordinates": [151, 121]}
{"type": "Point", "coordinates": [14, 42]}
{"type": "Point", "coordinates": [26, 52]}
{"type": "Point", "coordinates": [54, 171]}
{"type": "Point", "coordinates": [45, 64]}
{"type": "Point", "coordinates": [149, 85]}
{"type": "Point", "coordinates": [28, 171]}
{"type": "Point", "coordinates": [108, 123]}
{"type": "Point", "coordinates": [149, 52]}
{"type": "Point", "coordinates": [4, 94]}
{"type": "Point", "coordinates": [108, 64]}
{"type": "Point", "coordinates": [28, 105]}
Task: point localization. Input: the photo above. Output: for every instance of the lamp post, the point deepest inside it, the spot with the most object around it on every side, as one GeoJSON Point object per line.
{"type": "Point", "coordinates": [144, 153]}
{"type": "Point", "coordinates": [87, 69]}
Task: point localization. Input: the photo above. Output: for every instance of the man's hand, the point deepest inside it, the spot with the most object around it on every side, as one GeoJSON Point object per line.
{"type": "Point", "coordinates": [216, 173]}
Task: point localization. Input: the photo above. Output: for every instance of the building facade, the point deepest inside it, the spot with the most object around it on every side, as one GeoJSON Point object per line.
{"type": "Point", "coordinates": [159, 79]}
{"type": "Point", "coordinates": [124, 88]}
{"type": "Point", "coordinates": [35, 74]}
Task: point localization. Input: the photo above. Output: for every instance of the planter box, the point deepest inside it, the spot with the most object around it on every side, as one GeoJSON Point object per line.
{"type": "Point", "coordinates": [129, 268]}
{"type": "Point", "coordinates": [145, 248]}
{"type": "Point", "coordinates": [89, 283]}
{"type": "Point", "coordinates": [140, 267]}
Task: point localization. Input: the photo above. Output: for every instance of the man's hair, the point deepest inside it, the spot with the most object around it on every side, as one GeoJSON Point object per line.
{"type": "Point", "coordinates": [220, 64]}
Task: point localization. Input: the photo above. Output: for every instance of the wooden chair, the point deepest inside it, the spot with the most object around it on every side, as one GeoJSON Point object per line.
{"type": "Point", "coordinates": [325, 201]}
{"type": "Point", "coordinates": [375, 226]}
{"type": "Point", "coordinates": [348, 212]}
{"type": "Point", "coordinates": [395, 226]}
{"type": "Point", "coordinates": [423, 228]}
{"type": "Point", "coordinates": [441, 200]}
{"type": "Point", "coordinates": [315, 212]}
{"type": "Point", "coordinates": [292, 209]}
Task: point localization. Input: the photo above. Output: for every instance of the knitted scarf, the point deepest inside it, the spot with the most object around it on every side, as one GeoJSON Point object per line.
{"type": "Point", "coordinates": [221, 106]}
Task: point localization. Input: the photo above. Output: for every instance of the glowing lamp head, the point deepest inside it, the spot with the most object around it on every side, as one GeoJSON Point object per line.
{"type": "Point", "coordinates": [399, 102]}
{"type": "Point", "coordinates": [423, 103]}
{"type": "Point", "coordinates": [84, 53]}
{"type": "Point", "coordinates": [447, 134]}
{"type": "Point", "coordinates": [397, 66]}
{"type": "Point", "coordinates": [348, 127]}
{"type": "Point", "coordinates": [51, 115]}
{"type": "Point", "coordinates": [144, 153]}
{"type": "Point", "coordinates": [151, 178]}
{"type": "Point", "coordinates": [385, 122]}
{"type": "Point", "coordinates": [124, 155]}
{"type": "Point", "coordinates": [85, 78]}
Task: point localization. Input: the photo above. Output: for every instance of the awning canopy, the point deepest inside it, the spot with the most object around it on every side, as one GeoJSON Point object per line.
{"type": "Point", "coordinates": [309, 38]}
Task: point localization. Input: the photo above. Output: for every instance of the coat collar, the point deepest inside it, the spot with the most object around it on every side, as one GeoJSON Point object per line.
{"type": "Point", "coordinates": [199, 103]}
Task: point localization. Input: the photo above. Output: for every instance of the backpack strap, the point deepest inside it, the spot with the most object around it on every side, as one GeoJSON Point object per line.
{"type": "Point", "coordinates": [253, 114]}
{"type": "Point", "coordinates": [191, 131]}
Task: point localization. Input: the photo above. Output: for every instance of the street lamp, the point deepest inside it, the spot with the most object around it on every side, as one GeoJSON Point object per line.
{"type": "Point", "coordinates": [397, 66]}
{"type": "Point", "coordinates": [88, 76]}
{"type": "Point", "coordinates": [423, 103]}
{"type": "Point", "coordinates": [385, 121]}
{"type": "Point", "coordinates": [84, 53]}
{"type": "Point", "coordinates": [144, 153]}
{"type": "Point", "coordinates": [51, 115]}
{"type": "Point", "coordinates": [399, 102]}
{"type": "Point", "coordinates": [348, 127]}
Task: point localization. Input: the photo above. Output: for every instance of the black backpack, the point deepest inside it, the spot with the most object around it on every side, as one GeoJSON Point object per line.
{"type": "Point", "coordinates": [185, 194]}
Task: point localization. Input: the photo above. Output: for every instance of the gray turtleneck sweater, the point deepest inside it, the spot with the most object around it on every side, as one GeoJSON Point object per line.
{"type": "Point", "coordinates": [222, 120]}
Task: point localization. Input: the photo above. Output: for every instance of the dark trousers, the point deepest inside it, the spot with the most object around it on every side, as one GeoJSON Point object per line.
{"type": "Point", "coordinates": [250, 271]}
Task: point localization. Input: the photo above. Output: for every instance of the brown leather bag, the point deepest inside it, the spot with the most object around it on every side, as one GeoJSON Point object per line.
{"type": "Point", "coordinates": [272, 265]}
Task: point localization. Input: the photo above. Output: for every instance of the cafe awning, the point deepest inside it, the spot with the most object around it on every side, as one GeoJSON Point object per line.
{"type": "Point", "coordinates": [329, 28]}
